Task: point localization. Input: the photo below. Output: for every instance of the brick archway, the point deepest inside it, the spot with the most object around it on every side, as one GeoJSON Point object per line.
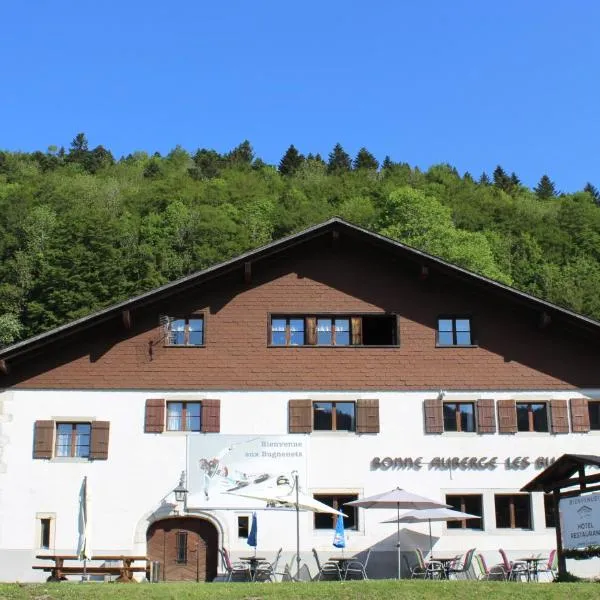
{"type": "Point", "coordinates": [185, 547]}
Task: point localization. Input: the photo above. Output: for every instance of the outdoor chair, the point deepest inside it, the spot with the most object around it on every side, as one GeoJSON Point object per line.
{"type": "Point", "coordinates": [266, 571]}
{"type": "Point", "coordinates": [515, 570]}
{"type": "Point", "coordinates": [432, 569]}
{"type": "Point", "coordinates": [464, 569]}
{"type": "Point", "coordinates": [551, 567]}
{"type": "Point", "coordinates": [236, 571]}
{"type": "Point", "coordinates": [355, 569]}
{"type": "Point", "coordinates": [494, 573]}
{"type": "Point", "coordinates": [328, 570]}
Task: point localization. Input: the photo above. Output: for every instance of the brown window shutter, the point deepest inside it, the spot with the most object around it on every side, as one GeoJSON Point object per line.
{"type": "Point", "coordinates": [559, 416]}
{"type": "Point", "coordinates": [434, 416]}
{"type": "Point", "coordinates": [486, 416]}
{"type": "Point", "coordinates": [311, 330]}
{"type": "Point", "coordinates": [507, 416]}
{"type": "Point", "coordinates": [155, 416]}
{"type": "Point", "coordinates": [300, 416]}
{"type": "Point", "coordinates": [211, 416]}
{"type": "Point", "coordinates": [43, 439]}
{"type": "Point", "coordinates": [356, 327]}
{"type": "Point", "coordinates": [99, 440]}
{"type": "Point", "coordinates": [367, 416]}
{"type": "Point", "coordinates": [580, 417]}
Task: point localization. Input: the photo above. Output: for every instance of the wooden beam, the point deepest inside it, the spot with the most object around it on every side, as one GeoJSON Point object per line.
{"type": "Point", "coordinates": [423, 272]}
{"type": "Point", "coordinates": [558, 485]}
{"type": "Point", "coordinates": [248, 272]}
{"type": "Point", "coordinates": [126, 316]}
{"type": "Point", "coordinates": [3, 367]}
{"type": "Point", "coordinates": [575, 493]}
{"type": "Point", "coordinates": [545, 320]}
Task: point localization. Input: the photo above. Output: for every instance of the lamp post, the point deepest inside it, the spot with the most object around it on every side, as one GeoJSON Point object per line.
{"type": "Point", "coordinates": [181, 491]}
{"type": "Point", "coordinates": [295, 476]}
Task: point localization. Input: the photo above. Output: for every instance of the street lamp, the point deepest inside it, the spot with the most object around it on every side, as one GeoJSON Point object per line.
{"type": "Point", "coordinates": [181, 491]}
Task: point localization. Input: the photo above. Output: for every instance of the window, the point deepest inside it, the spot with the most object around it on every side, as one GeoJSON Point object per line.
{"type": "Point", "coordinates": [181, 538]}
{"type": "Point", "coordinates": [594, 412]}
{"type": "Point", "coordinates": [73, 440]}
{"type": "Point", "coordinates": [513, 511]}
{"type": "Point", "coordinates": [459, 416]}
{"type": "Point", "coordinates": [337, 501]}
{"type": "Point", "coordinates": [532, 417]}
{"type": "Point", "coordinates": [187, 331]}
{"type": "Point", "coordinates": [243, 527]}
{"type": "Point", "coordinates": [184, 416]}
{"type": "Point", "coordinates": [549, 510]}
{"type": "Point", "coordinates": [467, 503]}
{"type": "Point", "coordinates": [333, 330]}
{"type": "Point", "coordinates": [287, 331]}
{"type": "Point", "coordinates": [334, 416]}
{"type": "Point", "coordinates": [454, 331]}
{"type": "Point", "coordinates": [45, 533]}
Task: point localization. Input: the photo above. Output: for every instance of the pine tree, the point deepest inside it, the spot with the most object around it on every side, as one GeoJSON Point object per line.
{"type": "Point", "coordinates": [242, 155]}
{"type": "Point", "coordinates": [592, 191]}
{"type": "Point", "coordinates": [365, 160]}
{"type": "Point", "coordinates": [78, 152]}
{"type": "Point", "coordinates": [501, 179]}
{"type": "Point", "coordinates": [319, 159]}
{"type": "Point", "coordinates": [387, 162]}
{"type": "Point", "coordinates": [291, 161]}
{"type": "Point", "coordinates": [545, 189]}
{"type": "Point", "coordinates": [468, 177]}
{"type": "Point", "coordinates": [484, 179]}
{"type": "Point", "coordinates": [515, 182]}
{"type": "Point", "coordinates": [339, 161]}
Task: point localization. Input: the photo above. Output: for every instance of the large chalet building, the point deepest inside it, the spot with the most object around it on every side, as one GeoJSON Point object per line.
{"type": "Point", "coordinates": [336, 354]}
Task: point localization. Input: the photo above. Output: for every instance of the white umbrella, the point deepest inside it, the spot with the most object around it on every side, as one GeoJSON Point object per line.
{"type": "Point", "coordinates": [84, 547]}
{"type": "Point", "coordinates": [432, 514]}
{"type": "Point", "coordinates": [397, 498]}
{"type": "Point", "coordinates": [288, 495]}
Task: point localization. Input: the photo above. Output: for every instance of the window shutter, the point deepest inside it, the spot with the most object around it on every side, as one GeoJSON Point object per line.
{"type": "Point", "coordinates": [311, 330]}
{"type": "Point", "coordinates": [155, 416]}
{"type": "Point", "coordinates": [300, 416]}
{"type": "Point", "coordinates": [434, 416]}
{"type": "Point", "coordinates": [367, 416]}
{"type": "Point", "coordinates": [356, 326]}
{"type": "Point", "coordinates": [559, 416]}
{"type": "Point", "coordinates": [507, 416]}
{"type": "Point", "coordinates": [486, 417]}
{"type": "Point", "coordinates": [211, 416]}
{"type": "Point", "coordinates": [580, 417]}
{"type": "Point", "coordinates": [99, 440]}
{"type": "Point", "coordinates": [43, 439]}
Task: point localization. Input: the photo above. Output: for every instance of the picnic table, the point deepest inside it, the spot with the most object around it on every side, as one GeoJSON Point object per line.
{"type": "Point", "coordinates": [124, 570]}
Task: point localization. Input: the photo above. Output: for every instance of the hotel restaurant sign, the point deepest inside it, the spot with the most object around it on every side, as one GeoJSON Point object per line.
{"type": "Point", "coordinates": [580, 521]}
{"type": "Point", "coordinates": [460, 463]}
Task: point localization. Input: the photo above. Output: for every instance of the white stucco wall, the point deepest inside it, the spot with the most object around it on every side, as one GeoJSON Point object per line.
{"type": "Point", "coordinates": [142, 469]}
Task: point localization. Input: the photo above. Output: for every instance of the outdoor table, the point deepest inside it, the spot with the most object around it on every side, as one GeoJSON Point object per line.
{"type": "Point", "coordinates": [532, 566]}
{"type": "Point", "coordinates": [342, 562]}
{"type": "Point", "coordinates": [58, 571]}
{"type": "Point", "coordinates": [253, 560]}
{"type": "Point", "coordinates": [446, 563]}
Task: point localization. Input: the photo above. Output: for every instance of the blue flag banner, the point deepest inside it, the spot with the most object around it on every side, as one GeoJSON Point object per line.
{"type": "Point", "coordinates": [339, 539]}
{"type": "Point", "coordinates": [252, 536]}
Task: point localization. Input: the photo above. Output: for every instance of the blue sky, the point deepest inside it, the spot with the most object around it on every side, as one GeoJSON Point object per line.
{"type": "Point", "coordinates": [471, 83]}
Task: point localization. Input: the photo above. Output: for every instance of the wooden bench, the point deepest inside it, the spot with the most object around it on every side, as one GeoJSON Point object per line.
{"type": "Point", "coordinates": [124, 571]}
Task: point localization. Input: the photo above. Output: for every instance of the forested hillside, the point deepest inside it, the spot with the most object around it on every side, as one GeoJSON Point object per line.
{"type": "Point", "coordinates": [80, 230]}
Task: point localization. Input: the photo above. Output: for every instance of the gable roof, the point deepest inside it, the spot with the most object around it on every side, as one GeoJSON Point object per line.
{"type": "Point", "coordinates": [342, 228]}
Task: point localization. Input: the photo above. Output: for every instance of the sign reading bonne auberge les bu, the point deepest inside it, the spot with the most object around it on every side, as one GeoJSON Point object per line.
{"type": "Point", "coordinates": [580, 521]}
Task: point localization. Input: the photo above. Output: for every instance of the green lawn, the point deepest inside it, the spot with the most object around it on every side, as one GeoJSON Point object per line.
{"type": "Point", "coordinates": [351, 590]}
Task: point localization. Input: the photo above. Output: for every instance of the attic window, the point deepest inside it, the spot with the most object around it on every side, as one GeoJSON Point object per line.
{"type": "Point", "coordinates": [185, 331]}
{"type": "Point", "coordinates": [454, 331]}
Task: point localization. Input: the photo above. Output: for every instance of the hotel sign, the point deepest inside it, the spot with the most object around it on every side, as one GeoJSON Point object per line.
{"type": "Point", "coordinates": [580, 521]}
{"type": "Point", "coordinates": [459, 463]}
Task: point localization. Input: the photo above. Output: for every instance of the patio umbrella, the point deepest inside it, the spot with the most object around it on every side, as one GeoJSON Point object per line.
{"type": "Point", "coordinates": [84, 547]}
{"type": "Point", "coordinates": [288, 495]}
{"type": "Point", "coordinates": [432, 514]}
{"type": "Point", "coordinates": [397, 498]}
{"type": "Point", "coordinates": [252, 540]}
{"type": "Point", "coordinates": [339, 538]}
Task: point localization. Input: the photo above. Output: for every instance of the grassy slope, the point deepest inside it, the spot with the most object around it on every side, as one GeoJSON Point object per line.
{"type": "Point", "coordinates": [407, 590]}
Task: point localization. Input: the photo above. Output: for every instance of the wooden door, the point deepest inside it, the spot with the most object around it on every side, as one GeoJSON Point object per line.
{"type": "Point", "coordinates": [185, 547]}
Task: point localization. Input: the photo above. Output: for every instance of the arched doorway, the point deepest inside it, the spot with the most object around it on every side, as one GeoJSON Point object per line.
{"type": "Point", "coordinates": [186, 547]}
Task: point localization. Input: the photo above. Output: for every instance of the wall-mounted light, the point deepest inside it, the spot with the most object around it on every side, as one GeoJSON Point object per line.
{"type": "Point", "coordinates": [181, 491]}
